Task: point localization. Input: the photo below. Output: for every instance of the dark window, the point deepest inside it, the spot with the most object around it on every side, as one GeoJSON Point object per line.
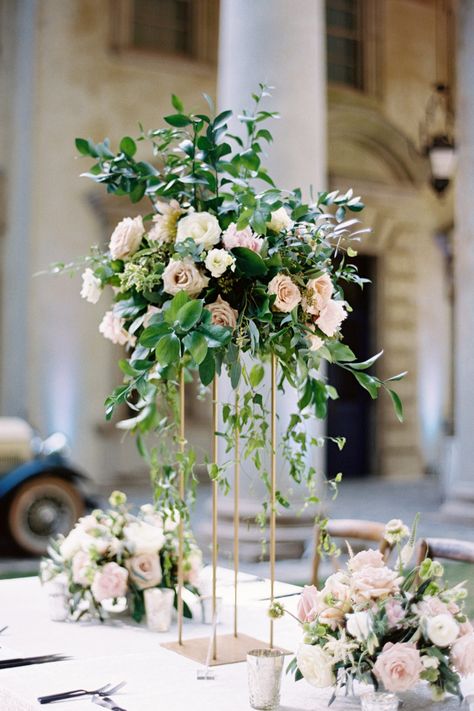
{"type": "Point", "coordinates": [344, 27]}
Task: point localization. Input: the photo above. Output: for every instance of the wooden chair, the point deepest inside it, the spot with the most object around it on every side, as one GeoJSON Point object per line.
{"type": "Point", "coordinates": [350, 529]}
{"type": "Point", "coordinates": [446, 548]}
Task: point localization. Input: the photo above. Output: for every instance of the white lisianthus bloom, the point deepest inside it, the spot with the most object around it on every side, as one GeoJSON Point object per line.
{"type": "Point", "coordinates": [280, 220]}
{"type": "Point", "coordinates": [126, 237]}
{"type": "Point", "coordinates": [202, 227]}
{"type": "Point", "coordinates": [316, 665]}
{"type": "Point", "coordinates": [91, 286]}
{"type": "Point", "coordinates": [442, 630]}
{"type": "Point", "coordinates": [112, 328]}
{"type": "Point", "coordinates": [396, 531]}
{"type": "Point", "coordinates": [218, 261]}
{"type": "Point", "coordinates": [359, 625]}
{"type": "Point", "coordinates": [429, 662]}
{"type": "Point", "coordinates": [142, 537]}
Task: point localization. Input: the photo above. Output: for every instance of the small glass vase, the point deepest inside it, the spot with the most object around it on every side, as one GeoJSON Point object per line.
{"type": "Point", "coordinates": [159, 608]}
{"type": "Point", "coordinates": [264, 668]}
{"type": "Point", "coordinates": [379, 701]}
{"type": "Point", "coordinates": [58, 599]}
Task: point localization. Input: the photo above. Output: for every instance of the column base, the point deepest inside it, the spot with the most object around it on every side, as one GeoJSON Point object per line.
{"type": "Point", "coordinates": [459, 505]}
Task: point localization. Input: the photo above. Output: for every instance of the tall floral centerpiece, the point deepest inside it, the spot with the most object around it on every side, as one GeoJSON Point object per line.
{"type": "Point", "coordinates": [221, 262]}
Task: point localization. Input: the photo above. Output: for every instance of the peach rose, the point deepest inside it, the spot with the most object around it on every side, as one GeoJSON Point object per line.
{"type": "Point", "coordinates": [318, 293]}
{"type": "Point", "coordinates": [113, 328]}
{"type": "Point", "coordinates": [366, 559]}
{"type": "Point", "coordinates": [233, 237]}
{"type": "Point", "coordinates": [145, 570]}
{"type": "Point", "coordinates": [287, 293]}
{"type": "Point", "coordinates": [395, 612]}
{"type": "Point", "coordinates": [126, 237]}
{"type": "Point", "coordinates": [462, 654]}
{"type": "Point", "coordinates": [373, 583]}
{"type": "Point", "coordinates": [331, 317]}
{"type": "Point", "coordinates": [110, 582]}
{"type": "Point", "coordinates": [432, 606]}
{"type": "Point", "coordinates": [399, 666]}
{"type": "Point", "coordinates": [307, 603]}
{"type": "Point", "coordinates": [222, 313]}
{"type": "Point", "coordinates": [183, 275]}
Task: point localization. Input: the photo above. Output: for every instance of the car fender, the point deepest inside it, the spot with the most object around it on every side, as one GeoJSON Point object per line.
{"type": "Point", "coordinates": [52, 464]}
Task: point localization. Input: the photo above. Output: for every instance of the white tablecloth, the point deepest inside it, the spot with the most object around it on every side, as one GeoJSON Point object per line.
{"type": "Point", "coordinates": [157, 679]}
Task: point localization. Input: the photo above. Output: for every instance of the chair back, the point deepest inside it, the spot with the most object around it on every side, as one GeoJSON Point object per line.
{"type": "Point", "coordinates": [447, 549]}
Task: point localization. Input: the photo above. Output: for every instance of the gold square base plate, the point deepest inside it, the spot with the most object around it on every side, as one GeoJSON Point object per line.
{"type": "Point", "coordinates": [230, 649]}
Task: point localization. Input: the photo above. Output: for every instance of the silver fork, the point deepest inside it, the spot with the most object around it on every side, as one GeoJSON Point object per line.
{"type": "Point", "coordinates": [106, 702]}
{"type": "Point", "coordinates": [75, 693]}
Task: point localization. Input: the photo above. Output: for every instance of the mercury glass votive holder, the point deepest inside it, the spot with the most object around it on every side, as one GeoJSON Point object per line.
{"type": "Point", "coordinates": [58, 599]}
{"type": "Point", "coordinates": [159, 608]}
{"type": "Point", "coordinates": [379, 701]}
{"type": "Point", "coordinates": [264, 668]}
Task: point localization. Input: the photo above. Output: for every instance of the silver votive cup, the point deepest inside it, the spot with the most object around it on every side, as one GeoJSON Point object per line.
{"type": "Point", "coordinates": [58, 599]}
{"type": "Point", "coordinates": [264, 674]}
{"type": "Point", "coordinates": [379, 701]}
{"type": "Point", "coordinates": [159, 608]}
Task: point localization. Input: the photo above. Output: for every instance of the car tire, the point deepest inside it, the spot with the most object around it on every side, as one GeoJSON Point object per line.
{"type": "Point", "coordinates": [40, 509]}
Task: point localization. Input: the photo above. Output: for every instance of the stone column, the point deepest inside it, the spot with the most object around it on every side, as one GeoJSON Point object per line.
{"type": "Point", "coordinates": [280, 43]}
{"type": "Point", "coordinates": [460, 490]}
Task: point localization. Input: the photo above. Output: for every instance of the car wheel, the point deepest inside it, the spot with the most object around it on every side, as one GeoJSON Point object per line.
{"type": "Point", "coordinates": [42, 508]}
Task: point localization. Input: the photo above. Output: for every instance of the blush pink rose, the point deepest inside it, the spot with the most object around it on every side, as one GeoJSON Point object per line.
{"type": "Point", "coordinates": [462, 654]}
{"type": "Point", "coordinates": [399, 666]}
{"type": "Point", "coordinates": [307, 604]}
{"type": "Point", "coordinates": [331, 317]}
{"type": "Point", "coordinates": [318, 294]}
{"type": "Point", "coordinates": [287, 293]}
{"type": "Point", "coordinates": [145, 570]}
{"type": "Point", "coordinates": [81, 569]}
{"type": "Point", "coordinates": [366, 559]}
{"type": "Point", "coordinates": [395, 612]}
{"type": "Point", "coordinates": [374, 583]}
{"type": "Point", "coordinates": [432, 607]}
{"type": "Point", "coordinates": [110, 582]}
{"type": "Point", "coordinates": [222, 313]}
{"type": "Point", "coordinates": [233, 237]}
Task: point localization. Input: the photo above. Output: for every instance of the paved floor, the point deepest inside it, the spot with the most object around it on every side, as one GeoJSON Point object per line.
{"type": "Point", "coordinates": [370, 498]}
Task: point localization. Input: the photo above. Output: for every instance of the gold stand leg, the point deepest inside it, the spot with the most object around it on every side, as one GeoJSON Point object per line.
{"type": "Point", "coordinates": [272, 490]}
{"type": "Point", "coordinates": [181, 520]}
{"type": "Point", "coordinates": [236, 508]}
{"type": "Point", "coordinates": [215, 491]}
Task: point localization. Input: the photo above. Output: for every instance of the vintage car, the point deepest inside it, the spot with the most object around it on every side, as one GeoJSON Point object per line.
{"type": "Point", "coordinates": [41, 494]}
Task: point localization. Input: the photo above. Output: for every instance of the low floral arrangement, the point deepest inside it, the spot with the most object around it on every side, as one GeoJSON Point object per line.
{"type": "Point", "coordinates": [220, 263]}
{"type": "Point", "coordinates": [111, 555]}
{"type": "Point", "coordinates": [386, 627]}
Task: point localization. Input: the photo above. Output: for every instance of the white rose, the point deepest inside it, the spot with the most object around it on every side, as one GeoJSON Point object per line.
{"type": "Point", "coordinates": [202, 227]}
{"type": "Point", "coordinates": [316, 665]}
{"type": "Point", "coordinates": [183, 275]}
{"type": "Point", "coordinates": [287, 293]}
{"type": "Point", "coordinates": [71, 544]}
{"type": "Point", "coordinates": [126, 237]}
{"type": "Point", "coordinates": [442, 630]}
{"type": "Point", "coordinates": [359, 625]}
{"type": "Point", "coordinates": [91, 287]}
{"type": "Point", "coordinates": [142, 537]}
{"type": "Point", "coordinates": [112, 327]}
{"type": "Point", "coordinates": [145, 570]}
{"type": "Point", "coordinates": [280, 220]}
{"type": "Point", "coordinates": [218, 260]}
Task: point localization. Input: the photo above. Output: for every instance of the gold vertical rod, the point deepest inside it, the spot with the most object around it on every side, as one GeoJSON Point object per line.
{"type": "Point", "coordinates": [181, 519]}
{"type": "Point", "coordinates": [236, 506]}
{"type": "Point", "coordinates": [273, 490]}
{"type": "Point", "coordinates": [215, 425]}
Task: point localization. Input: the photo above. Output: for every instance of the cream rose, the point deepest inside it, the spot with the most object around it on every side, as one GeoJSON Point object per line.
{"type": "Point", "coordinates": [91, 287]}
{"type": "Point", "coordinates": [143, 537]}
{"type": "Point", "coordinates": [233, 237]}
{"type": "Point", "coordinates": [287, 293]}
{"type": "Point", "coordinates": [366, 559]}
{"type": "Point", "coordinates": [164, 227]}
{"type": "Point", "coordinates": [331, 317]}
{"type": "Point", "coordinates": [71, 544]}
{"type": "Point", "coordinates": [280, 220]}
{"type": "Point", "coordinates": [374, 583]}
{"type": "Point", "coordinates": [442, 630]}
{"type": "Point", "coordinates": [145, 570]}
{"type": "Point", "coordinates": [307, 603]}
{"type": "Point", "coordinates": [126, 237]}
{"type": "Point", "coordinates": [110, 582]}
{"type": "Point", "coordinates": [359, 625]}
{"type": "Point", "coordinates": [222, 313]}
{"type": "Point", "coordinates": [183, 275]}
{"type": "Point", "coordinates": [317, 295]}
{"type": "Point", "coordinates": [398, 666]}
{"type": "Point", "coordinates": [218, 261]}
{"type": "Point", "coordinates": [202, 227]}
{"type": "Point", "coordinates": [316, 665]}
{"type": "Point", "coordinates": [112, 327]}
{"type": "Point", "coordinates": [462, 654]}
